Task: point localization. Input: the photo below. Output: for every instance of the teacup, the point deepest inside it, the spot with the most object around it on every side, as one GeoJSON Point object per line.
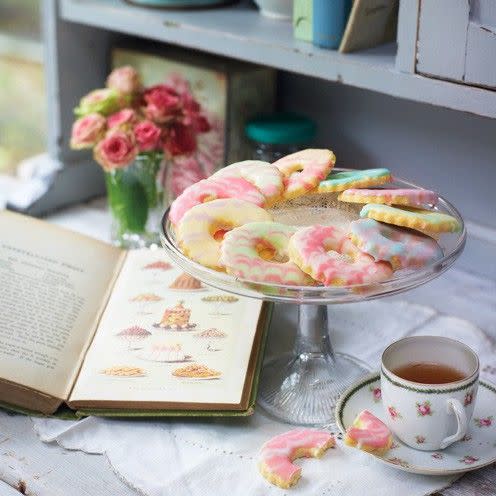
{"type": "Point", "coordinates": [429, 416]}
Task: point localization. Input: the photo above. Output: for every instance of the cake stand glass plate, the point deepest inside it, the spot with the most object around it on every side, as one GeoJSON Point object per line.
{"type": "Point", "coordinates": [303, 387]}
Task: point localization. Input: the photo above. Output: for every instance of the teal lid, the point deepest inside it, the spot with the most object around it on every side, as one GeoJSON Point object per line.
{"type": "Point", "coordinates": [281, 129]}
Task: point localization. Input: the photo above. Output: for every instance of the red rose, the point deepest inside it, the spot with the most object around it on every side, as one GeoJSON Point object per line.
{"type": "Point", "coordinates": [122, 118]}
{"type": "Point", "coordinates": [116, 150]}
{"type": "Point", "coordinates": [147, 136]}
{"type": "Point", "coordinates": [161, 103]}
{"type": "Point", "coordinates": [180, 140]}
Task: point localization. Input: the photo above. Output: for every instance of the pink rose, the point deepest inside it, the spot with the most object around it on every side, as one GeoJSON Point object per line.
{"type": "Point", "coordinates": [377, 393]}
{"type": "Point", "coordinates": [87, 131]}
{"type": "Point", "coordinates": [122, 118]}
{"type": "Point", "coordinates": [162, 103]}
{"type": "Point", "coordinates": [125, 80]}
{"type": "Point", "coordinates": [180, 140]}
{"type": "Point", "coordinates": [147, 136]}
{"type": "Point", "coordinates": [486, 422]}
{"type": "Point", "coordinates": [118, 149]}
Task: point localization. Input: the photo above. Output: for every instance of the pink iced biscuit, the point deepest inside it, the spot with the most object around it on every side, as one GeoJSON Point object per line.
{"type": "Point", "coordinates": [277, 455]}
{"type": "Point", "coordinates": [257, 252]}
{"type": "Point", "coordinates": [328, 255]}
{"type": "Point", "coordinates": [401, 247]}
{"type": "Point", "coordinates": [213, 189]}
{"type": "Point", "coordinates": [264, 176]}
{"type": "Point", "coordinates": [409, 197]}
{"type": "Point", "coordinates": [304, 170]}
{"type": "Point", "coordinates": [368, 433]}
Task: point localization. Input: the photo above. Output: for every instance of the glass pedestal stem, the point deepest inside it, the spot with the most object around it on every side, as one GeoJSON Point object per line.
{"type": "Point", "coordinates": [313, 336]}
{"type": "Point", "coordinates": [302, 387]}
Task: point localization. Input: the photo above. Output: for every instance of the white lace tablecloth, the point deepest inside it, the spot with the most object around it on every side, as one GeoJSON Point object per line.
{"type": "Point", "coordinates": [218, 457]}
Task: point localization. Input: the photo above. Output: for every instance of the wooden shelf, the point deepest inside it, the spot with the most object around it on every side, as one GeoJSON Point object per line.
{"type": "Point", "coordinates": [242, 33]}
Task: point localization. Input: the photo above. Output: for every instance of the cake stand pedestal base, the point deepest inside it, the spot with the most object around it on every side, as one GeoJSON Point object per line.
{"type": "Point", "coordinates": [303, 387]}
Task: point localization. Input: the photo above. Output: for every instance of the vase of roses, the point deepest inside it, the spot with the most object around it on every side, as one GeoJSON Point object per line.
{"type": "Point", "coordinates": [134, 133]}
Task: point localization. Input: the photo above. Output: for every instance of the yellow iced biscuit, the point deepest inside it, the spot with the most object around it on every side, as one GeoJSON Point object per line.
{"type": "Point", "coordinates": [426, 221]}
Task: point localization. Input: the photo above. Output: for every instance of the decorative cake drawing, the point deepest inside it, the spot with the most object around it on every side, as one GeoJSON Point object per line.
{"type": "Point", "coordinates": [124, 371]}
{"type": "Point", "coordinates": [219, 301]}
{"type": "Point", "coordinates": [211, 333]}
{"type": "Point", "coordinates": [158, 265]}
{"type": "Point", "coordinates": [196, 371]}
{"type": "Point", "coordinates": [177, 318]}
{"type": "Point", "coordinates": [133, 334]}
{"type": "Point", "coordinates": [146, 298]}
{"type": "Point", "coordinates": [185, 282]}
{"type": "Point", "coordinates": [164, 352]}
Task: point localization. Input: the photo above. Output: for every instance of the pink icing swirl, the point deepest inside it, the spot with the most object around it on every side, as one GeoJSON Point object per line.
{"type": "Point", "coordinates": [278, 453]}
{"type": "Point", "coordinates": [368, 430]}
{"type": "Point", "coordinates": [330, 257]}
{"type": "Point", "coordinates": [213, 189]}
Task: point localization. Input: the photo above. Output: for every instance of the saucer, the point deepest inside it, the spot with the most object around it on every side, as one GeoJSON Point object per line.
{"type": "Point", "coordinates": [477, 449]}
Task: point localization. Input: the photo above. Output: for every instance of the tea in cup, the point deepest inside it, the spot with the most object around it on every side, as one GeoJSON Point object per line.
{"type": "Point", "coordinates": [429, 387]}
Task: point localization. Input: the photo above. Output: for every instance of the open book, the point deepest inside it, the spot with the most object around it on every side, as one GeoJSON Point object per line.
{"type": "Point", "coordinates": [113, 332]}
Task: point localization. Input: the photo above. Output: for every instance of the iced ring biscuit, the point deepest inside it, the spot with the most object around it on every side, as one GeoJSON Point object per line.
{"type": "Point", "coordinates": [200, 231]}
{"type": "Point", "coordinates": [426, 221]}
{"type": "Point", "coordinates": [339, 181]}
{"type": "Point", "coordinates": [258, 252]}
{"type": "Point", "coordinates": [212, 189]}
{"type": "Point", "coordinates": [410, 197]}
{"type": "Point", "coordinates": [329, 256]}
{"type": "Point", "coordinates": [277, 455]}
{"type": "Point", "coordinates": [368, 433]}
{"type": "Point", "coordinates": [304, 170]}
{"type": "Point", "coordinates": [400, 247]}
{"type": "Point", "coordinates": [264, 176]}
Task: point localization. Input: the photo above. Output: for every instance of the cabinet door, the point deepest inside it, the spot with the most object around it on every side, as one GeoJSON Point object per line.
{"type": "Point", "coordinates": [457, 41]}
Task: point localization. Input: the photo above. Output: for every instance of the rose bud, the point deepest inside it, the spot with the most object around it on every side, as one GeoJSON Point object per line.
{"type": "Point", "coordinates": [125, 80]}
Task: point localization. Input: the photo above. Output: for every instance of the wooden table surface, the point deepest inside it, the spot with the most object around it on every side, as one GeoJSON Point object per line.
{"type": "Point", "coordinates": [28, 466]}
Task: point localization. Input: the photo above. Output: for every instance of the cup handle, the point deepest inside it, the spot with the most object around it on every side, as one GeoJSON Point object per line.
{"type": "Point", "coordinates": [455, 407]}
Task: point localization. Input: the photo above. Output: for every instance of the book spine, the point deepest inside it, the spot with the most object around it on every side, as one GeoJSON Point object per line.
{"type": "Point", "coordinates": [329, 22]}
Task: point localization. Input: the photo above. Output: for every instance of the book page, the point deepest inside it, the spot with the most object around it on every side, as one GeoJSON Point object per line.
{"type": "Point", "coordinates": [53, 284]}
{"type": "Point", "coordinates": [166, 339]}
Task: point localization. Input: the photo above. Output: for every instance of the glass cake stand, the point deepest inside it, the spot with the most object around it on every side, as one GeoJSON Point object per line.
{"type": "Point", "coordinates": [302, 387]}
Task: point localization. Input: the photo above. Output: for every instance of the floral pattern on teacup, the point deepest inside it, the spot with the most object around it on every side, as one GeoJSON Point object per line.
{"type": "Point", "coordinates": [398, 461]}
{"type": "Point", "coordinates": [419, 439]}
{"type": "Point", "coordinates": [466, 438]}
{"type": "Point", "coordinates": [437, 456]}
{"type": "Point", "coordinates": [394, 445]}
{"type": "Point", "coordinates": [424, 409]}
{"type": "Point", "coordinates": [468, 459]}
{"type": "Point", "coordinates": [469, 397]}
{"type": "Point", "coordinates": [376, 393]}
{"type": "Point", "coordinates": [393, 413]}
{"type": "Point", "coordinates": [484, 421]}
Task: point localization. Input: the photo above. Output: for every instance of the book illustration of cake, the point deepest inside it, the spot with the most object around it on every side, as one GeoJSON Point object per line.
{"type": "Point", "coordinates": [176, 318]}
{"type": "Point", "coordinates": [185, 282]}
{"type": "Point", "coordinates": [124, 371]}
{"type": "Point", "coordinates": [133, 335]}
{"type": "Point", "coordinates": [158, 265]}
{"type": "Point", "coordinates": [164, 352]}
{"type": "Point", "coordinates": [219, 300]}
{"type": "Point", "coordinates": [146, 298]}
{"type": "Point", "coordinates": [211, 333]}
{"type": "Point", "coordinates": [196, 371]}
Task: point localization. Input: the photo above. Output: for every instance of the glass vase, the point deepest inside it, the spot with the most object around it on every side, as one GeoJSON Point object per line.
{"type": "Point", "coordinates": [135, 198]}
